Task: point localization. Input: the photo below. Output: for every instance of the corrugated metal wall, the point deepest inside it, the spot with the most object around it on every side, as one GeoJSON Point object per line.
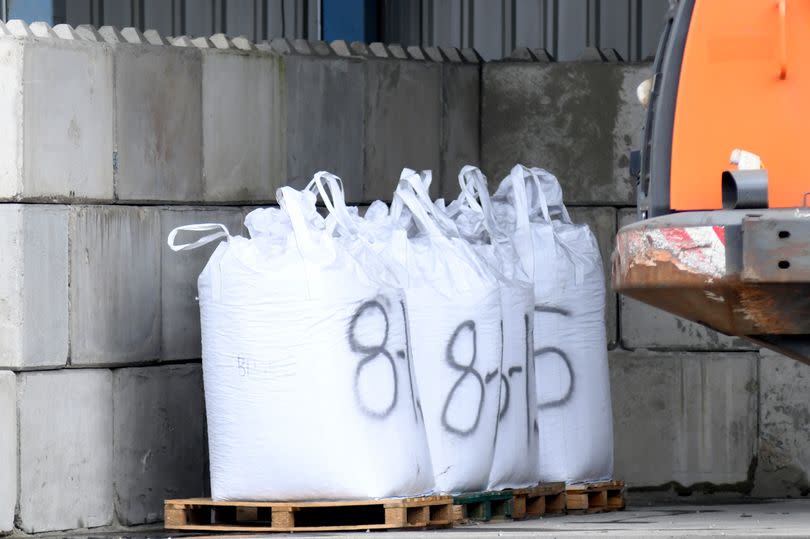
{"type": "Point", "coordinates": [493, 27]}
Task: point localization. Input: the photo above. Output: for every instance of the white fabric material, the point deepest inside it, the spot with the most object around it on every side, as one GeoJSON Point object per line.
{"type": "Point", "coordinates": [570, 349]}
{"type": "Point", "coordinates": [309, 386]}
{"type": "Point", "coordinates": [517, 441]}
{"type": "Point", "coordinates": [454, 316]}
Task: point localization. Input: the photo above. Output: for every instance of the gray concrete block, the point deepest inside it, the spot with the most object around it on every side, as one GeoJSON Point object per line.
{"type": "Point", "coordinates": [602, 222]}
{"type": "Point", "coordinates": [66, 432]}
{"type": "Point", "coordinates": [8, 450]}
{"type": "Point", "coordinates": [158, 439]}
{"type": "Point", "coordinates": [34, 287]}
{"type": "Point", "coordinates": [577, 120]}
{"type": "Point", "coordinates": [686, 418]}
{"type": "Point", "coordinates": [56, 101]}
{"type": "Point", "coordinates": [783, 468]}
{"type": "Point", "coordinates": [460, 125]}
{"type": "Point", "coordinates": [244, 144]}
{"type": "Point", "coordinates": [114, 284]}
{"type": "Point", "coordinates": [158, 122]}
{"type": "Point", "coordinates": [403, 124]}
{"type": "Point", "coordinates": [644, 326]}
{"type": "Point", "coordinates": [326, 125]}
{"type": "Point", "coordinates": [180, 311]}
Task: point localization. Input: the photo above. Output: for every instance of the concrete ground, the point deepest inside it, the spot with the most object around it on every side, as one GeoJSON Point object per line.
{"type": "Point", "coordinates": [761, 518]}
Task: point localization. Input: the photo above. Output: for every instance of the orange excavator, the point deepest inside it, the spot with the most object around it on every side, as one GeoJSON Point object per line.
{"type": "Point", "coordinates": [723, 236]}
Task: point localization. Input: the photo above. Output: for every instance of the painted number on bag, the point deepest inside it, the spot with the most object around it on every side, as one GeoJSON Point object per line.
{"type": "Point", "coordinates": [553, 351]}
{"type": "Point", "coordinates": [468, 375]}
{"type": "Point", "coordinates": [506, 392]}
{"type": "Point", "coordinates": [374, 311]}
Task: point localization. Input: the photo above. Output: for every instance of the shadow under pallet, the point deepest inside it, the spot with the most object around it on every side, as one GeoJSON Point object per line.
{"type": "Point", "coordinates": [204, 514]}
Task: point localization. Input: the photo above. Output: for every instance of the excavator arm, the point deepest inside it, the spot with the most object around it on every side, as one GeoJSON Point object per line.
{"type": "Point", "coordinates": [724, 246]}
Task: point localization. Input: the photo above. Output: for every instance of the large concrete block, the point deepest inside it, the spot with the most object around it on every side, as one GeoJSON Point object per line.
{"type": "Point", "coordinates": [34, 285]}
{"type": "Point", "coordinates": [602, 222]}
{"type": "Point", "coordinates": [180, 311]}
{"type": "Point", "coordinates": [244, 144]}
{"type": "Point", "coordinates": [578, 120]}
{"type": "Point", "coordinates": [783, 468]}
{"type": "Point", "coordinates": [688, 418]}
{"type": "Point", "coordinates": [114, 284]}
{"type": "Point", "coordinates": [644, 326]}
{"type": "Point", "coordinates": [403, 123]}
{"type": "Point", "coordinates": [461, 90]}
{"type": "Point", "coordinates": [158, 122]}
{"type": "Point", "coordinates": [8, 450]}
{"type": "Point", "coordinates": [326, 119]}
{"type": "Point", "coordinates": [158, 439]}
{"type": "Point", "coordinates": [66, 433]}
{"type": "Point", "coordinates": [56, 101]}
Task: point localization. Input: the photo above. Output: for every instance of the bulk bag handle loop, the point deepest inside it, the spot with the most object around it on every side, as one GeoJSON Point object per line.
{"type": "Point", "coordinates": [202, 227]}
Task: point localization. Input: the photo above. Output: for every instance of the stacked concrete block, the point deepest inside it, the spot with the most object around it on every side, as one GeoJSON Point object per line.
{"type": "Point", "coordinates": [685, 418]}
{"type": "Point", "coordinates": [783, 467]}
{"type": "Point", "coordinates": [180, 312]}
{"type": "Point", "coordinates": [8, 450]}
{"type": "Point", "coordinates": [158, 121]}
{"type": "Point", "coordinates": [243, 119]}
{"type": "Point", "coordinates": [56, 101]}
{"type": "Point", "coordinates": [460, 140]}
{"type": "Point", "coordinates": [602, 222]}
{"type": "Point", "coordinates": [114, 284]}
{"type": "Point", "coordinates": [577, 120]}
{"type": "Point", "coordinates": [644, 326]}
{"type": "Point", "coordinates": [325, 99]}
{"type": "Point", "coordinates": [403, 120]}
{"type": "Point", "coordinates": [65, 449]}
{"type": "Point", "coordinates": [158, 439]}
{"type": "Point", "coordinates": [34, 286]}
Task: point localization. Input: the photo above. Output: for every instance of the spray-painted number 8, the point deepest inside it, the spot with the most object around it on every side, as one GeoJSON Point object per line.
{"type": "Point", "coordinates": [467, 372]}
{"type": "Point", "coordinates": [370, 354]}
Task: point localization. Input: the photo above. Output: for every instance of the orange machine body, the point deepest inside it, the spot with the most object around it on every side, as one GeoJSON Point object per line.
{"type": "Point", "coordinates": [744, 83]}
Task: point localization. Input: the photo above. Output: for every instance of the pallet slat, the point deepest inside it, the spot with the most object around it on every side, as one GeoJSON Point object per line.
{"type": "Point", "coordinates": [203, 514]}
{"type": "Point", "coordinates": [548, 498]}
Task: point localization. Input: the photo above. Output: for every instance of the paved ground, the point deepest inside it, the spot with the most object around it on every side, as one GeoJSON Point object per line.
{"type": "Point", "coordinates": [768, 518]}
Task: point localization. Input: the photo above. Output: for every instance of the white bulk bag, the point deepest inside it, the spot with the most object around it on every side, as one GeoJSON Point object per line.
{"type": "Point", "coordinates": [573, 384]}
{"type": "Point", "coordinates": [454, 319]}
{"type": "Point", "coordinates": [516, 447]}
{"type": "Point", "coordinates": [309, 389]}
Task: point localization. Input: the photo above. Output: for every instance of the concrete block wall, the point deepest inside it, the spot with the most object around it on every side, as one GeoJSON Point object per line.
{"type": "Point", "coordinates": [695, 412]}
{"type": "Point", "coordinates": [99, 328]}
{"type": "Point", "coordinates": [111, 139]}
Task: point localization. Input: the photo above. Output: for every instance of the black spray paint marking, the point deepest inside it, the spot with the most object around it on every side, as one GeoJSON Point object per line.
{"type": "Point", "coordinates": [466, 371]}
{"type": "Point", "coordinates": [565, 398]}
{"type": "Point", "coordinates": [370, 354]}
{"type": "Point", "coordinates": [561, 354]}
{"type": "Point", "coordinates": [406, 355]}
{"type": "Point", "coordinates": [529, 364]}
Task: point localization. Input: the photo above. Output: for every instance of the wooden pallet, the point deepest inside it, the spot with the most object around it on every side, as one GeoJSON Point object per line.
{"type": "Point", "coordinates": [537, 501]}
{"type": "Point", "coordinates": [482, 506]}
{"type": "Point", "coordinates": [595, 497]}
{"type": "Point", "coordinates": [208, 515]}
{"type": "Point", "coordinates": [510, 503]}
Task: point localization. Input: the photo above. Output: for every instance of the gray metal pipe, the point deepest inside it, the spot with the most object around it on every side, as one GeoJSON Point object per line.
{"type": "Point", "coordinates": [745, 189]}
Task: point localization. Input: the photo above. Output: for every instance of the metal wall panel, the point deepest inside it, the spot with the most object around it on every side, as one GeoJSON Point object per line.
{"type": "Point", "coordinates": [494, 27]}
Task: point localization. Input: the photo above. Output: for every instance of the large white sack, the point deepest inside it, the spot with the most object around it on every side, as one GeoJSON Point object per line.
{"type": "Point", "coordinates": [454, 316]}
{"type": "Point", "coordinates": [516, 447]}
{"type": "Point", "coordinates": [573, 384]}
{"type": "Point", "coordinates": [310, 392]}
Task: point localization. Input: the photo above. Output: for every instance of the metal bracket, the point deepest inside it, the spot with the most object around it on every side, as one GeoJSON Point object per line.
{"type": "Point", "coordinates": [776, 250]}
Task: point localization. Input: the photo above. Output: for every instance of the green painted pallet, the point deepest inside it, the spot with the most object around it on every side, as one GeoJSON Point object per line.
{"type": "Point", "coordinates": [482, 506]}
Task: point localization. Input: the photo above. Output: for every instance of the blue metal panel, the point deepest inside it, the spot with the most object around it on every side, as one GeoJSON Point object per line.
{"type": "Point", "coordinates": [30, 10]}
{"type": "Point", "coordinates": [352, 20]}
